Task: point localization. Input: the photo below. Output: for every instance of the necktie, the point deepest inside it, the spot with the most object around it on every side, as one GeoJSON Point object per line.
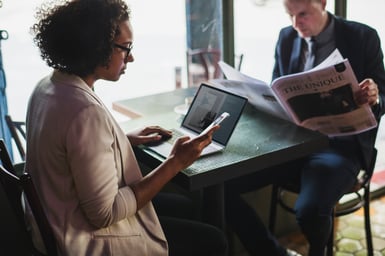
{"type": "Point", "coordinates": [309, 54]}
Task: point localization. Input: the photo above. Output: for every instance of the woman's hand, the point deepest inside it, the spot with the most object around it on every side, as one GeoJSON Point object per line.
{"type": "Point", "coordinates": [368, 93]}
{"type": "Point", "coordinates": [147, 135]}
{"type": "Point", "coordinates": [187, 150]}
{"type": "Point", "coordinates": [183, 154]}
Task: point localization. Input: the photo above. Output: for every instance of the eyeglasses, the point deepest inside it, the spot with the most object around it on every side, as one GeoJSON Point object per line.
{"type": "Point", "coordinates": [126, 49]}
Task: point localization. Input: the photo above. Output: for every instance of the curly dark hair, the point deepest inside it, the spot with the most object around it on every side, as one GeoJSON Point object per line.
{"type": "Point", "coordinates": [77, 36]}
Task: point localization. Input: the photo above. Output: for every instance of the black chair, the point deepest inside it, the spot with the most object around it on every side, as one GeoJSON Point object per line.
{"type": "Point", "coordinates": [15, 188]}
{"type": "Point", "coordinates": [360, 191]}
{"type": "Point", "coordinates": [17, 129]}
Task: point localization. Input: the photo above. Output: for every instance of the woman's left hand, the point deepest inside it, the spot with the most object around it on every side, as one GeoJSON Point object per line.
{"type": "Point", "coordinates": [147, 135]}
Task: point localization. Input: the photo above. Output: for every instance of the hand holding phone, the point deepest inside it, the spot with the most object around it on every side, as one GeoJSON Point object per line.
{"type": "Point", "coordinates": [217, 121]}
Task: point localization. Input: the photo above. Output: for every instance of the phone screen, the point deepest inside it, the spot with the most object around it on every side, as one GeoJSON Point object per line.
{"type": "Point", "coordinates": [218, 120]}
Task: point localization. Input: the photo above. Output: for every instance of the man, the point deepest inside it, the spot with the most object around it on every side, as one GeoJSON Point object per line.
{"type": "Point", "coordinates": [326, 175]}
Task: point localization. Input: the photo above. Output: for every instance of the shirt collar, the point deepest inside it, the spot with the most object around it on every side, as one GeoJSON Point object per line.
{"type": "Point", "coordinates": [327, 34]}
{"type": "Point", "coordinates": [69, 79]}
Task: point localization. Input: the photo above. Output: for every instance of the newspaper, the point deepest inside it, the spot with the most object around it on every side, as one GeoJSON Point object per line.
{"type": "Point", "coordinates": [320, 99]}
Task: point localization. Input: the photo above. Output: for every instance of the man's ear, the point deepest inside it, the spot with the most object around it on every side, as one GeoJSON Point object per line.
{"type": "Point", "coordinates": [323, 2]}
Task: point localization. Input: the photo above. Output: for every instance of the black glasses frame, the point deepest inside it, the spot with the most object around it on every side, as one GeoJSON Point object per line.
{"type": "Point", "coordinates": [126, 49]}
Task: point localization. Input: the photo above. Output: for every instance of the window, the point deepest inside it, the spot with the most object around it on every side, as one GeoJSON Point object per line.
{"type": "Point", "coordinates": [160, 46]}
{"type": "Point", "coordinates": [257, 25]}
{"type": "Point", "coordinates": [204, 40]}
{"type": "Point", "coordinates": [369, 13]}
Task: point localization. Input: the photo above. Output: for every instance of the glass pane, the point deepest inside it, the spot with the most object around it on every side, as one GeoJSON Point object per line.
{"type": "Point", "coordinates": [370, 13]}
{"type": "Point", "coordinates": [23, 66]}
{"type": "Point", "coordinates": [204, 40]}
{"type": "Point", "coordinates": [257, 24]}
{"type": "Point", "coordinates": [159, 47]}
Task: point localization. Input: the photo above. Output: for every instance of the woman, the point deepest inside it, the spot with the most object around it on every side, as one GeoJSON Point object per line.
{"type": "Point", "coordinates": [86, 174]}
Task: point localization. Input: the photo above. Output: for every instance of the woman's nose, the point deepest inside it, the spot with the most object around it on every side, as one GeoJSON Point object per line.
{"type": "Point", "coordinates": [130, 58]}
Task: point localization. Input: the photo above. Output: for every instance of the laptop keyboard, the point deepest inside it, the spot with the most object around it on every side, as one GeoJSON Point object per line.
{"type": "Point", "coordinates": [175, 135]}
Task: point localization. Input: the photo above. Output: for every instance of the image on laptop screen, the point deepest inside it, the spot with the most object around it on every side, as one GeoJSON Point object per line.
{"type": "Point", "coordinates": [209, 102]}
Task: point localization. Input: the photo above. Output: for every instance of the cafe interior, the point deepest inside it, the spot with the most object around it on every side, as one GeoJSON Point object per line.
{"type": "Point", "coordinates": [177, 54]}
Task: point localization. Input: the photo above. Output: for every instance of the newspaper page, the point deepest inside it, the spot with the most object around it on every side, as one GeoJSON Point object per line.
{"type": "Point", "coordinates": [259, 93]}
{"type": "Point", "coordinates": [260, 96]}
{"type": "Point", "coordinates": [322, 99]}
{"type": "Point", "coordinates": [307, 98]}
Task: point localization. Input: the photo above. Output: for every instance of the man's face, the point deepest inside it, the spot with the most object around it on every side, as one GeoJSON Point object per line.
{"type": "Point", "coordinates": [308, 17]}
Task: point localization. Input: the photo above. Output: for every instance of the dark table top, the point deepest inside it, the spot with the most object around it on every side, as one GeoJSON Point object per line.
{"type": "Point", "coordinates": [259, 141]}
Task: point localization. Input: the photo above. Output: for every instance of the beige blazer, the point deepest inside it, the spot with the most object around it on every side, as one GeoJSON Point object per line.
{"type": "Point", "coordinates": [81, 162]}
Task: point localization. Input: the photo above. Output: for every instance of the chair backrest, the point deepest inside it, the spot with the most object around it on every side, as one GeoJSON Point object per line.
{"type": "Point", "coordinates": [39, 214]}
{"type": "Point", "coordinates": [17, 129]}
{"type": "Point", "coordinates": [362, 183]}
{"type": "Point", "coordinates": [14, 187]}
{"type": "Point", "coordinates": [5, 157]}
{"type": "Point", "coordinates": [205, 58]}
{"type": "Point", "coordinates": [364, 180]}
{"type": "Point", "coordinates": [240, 61]}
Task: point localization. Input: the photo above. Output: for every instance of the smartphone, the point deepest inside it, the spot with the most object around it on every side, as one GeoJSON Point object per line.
{"type": "Point", "coordinates": [218, 120]}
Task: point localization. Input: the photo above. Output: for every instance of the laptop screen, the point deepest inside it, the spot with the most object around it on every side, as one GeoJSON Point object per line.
{"type": "Point", "coordinates": [209, 102]}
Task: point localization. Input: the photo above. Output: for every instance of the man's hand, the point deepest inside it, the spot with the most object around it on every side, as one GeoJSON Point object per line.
{"type": "Point", "coordinates": [368, 93]}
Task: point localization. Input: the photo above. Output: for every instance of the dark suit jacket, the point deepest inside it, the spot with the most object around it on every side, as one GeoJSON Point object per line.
{"type": "Point", "coordinates": [357, 42]}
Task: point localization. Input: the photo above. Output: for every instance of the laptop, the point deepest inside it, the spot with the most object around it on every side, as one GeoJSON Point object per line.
{"type": "Point", "coordinates": [208, 104]}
